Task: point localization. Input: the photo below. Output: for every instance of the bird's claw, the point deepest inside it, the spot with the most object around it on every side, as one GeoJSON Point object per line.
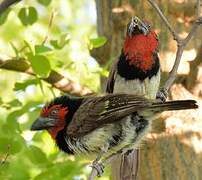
{"type": "Point", "coordinates": [99, 168]}
{"type": "Point", "coordinates": [162, 95]}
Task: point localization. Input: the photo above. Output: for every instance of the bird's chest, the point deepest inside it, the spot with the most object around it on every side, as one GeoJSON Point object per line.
{"type": "Point", "coordinates": [147, 87]}
{"type": "Point", "coordinates": [92, 142]}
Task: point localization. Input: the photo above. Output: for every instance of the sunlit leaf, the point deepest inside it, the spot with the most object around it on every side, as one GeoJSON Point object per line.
{"type": "Point", "coordinates": [59, 44]}
{"type": "Point", "coordinates": [19, 169]}
{"type": "Point", "coordinates": [14, 48]}
{"type": "Point", "coordinates": [11, 145]}
{"type": "Point", "coordinates": [29, 46]}
{"type": "Point", "coordinates": [36, 155]}
{"type": "Point", "coordinates": [44, 2]}
{"type": "Point", "coordinates": [15, 103]}
{"type": "Point", "coordinates": [1, 101]}
{"type": "Point", "coordinates": [4, 145]}
{"type": "Point", "coordinates": [40, 64]}
{"type": "Point", "coordinates": [104, 72]}
{"type": "Point", "coordinates": [4, 16]}
{"type": "Point", "coordinates": [23, 85]}
{"type": "Point", "coordinates": [28, 16]}
{"type": "Point", "coordinates": [97, 42]}
{"type": "Point", "coordinates": [16, 144]}
{"type": "Point", "coordinates": [39, 49]}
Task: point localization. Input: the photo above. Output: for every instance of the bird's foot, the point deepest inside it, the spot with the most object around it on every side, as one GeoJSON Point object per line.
{"type": "Point", "coordinates": [162, 95]}
{"type": "Point", "coordinates": [99, 168]}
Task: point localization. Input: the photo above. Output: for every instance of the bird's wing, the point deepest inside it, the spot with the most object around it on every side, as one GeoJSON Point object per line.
{"type": "Point", "coordinates": [112, 78]}
{"type": "Point", "coordinates": [95, 112]}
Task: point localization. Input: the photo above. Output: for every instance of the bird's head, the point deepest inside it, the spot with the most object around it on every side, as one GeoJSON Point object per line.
{"type": "Point", "coordinates": [52, 118]}
{"type": "Point", "coordinates": [56, 115]}
{"type": "Point", "coordinates": [136, 26]}
{"type": "Point", "coordinates": [140, 44]}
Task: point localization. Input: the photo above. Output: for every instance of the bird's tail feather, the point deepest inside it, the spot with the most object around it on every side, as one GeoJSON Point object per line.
{"type": "Point", "coordinates": [174, 105]}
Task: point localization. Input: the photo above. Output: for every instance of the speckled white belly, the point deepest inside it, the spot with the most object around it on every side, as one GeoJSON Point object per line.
{"type": "Point", "coordinates": [147, 88]}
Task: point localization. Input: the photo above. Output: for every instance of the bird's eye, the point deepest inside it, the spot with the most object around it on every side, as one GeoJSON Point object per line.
{"type": "Point", "coordinates": [54, 112]}
{"type": "Point", "coordinates": [135, 20]}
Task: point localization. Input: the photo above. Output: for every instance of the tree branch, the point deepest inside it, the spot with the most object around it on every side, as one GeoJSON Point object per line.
{"type": "Point", "coordinates": [93, 173]}
{"type": "Point", "coordinates": [6, 4]}
{"type": "Point", "coordinates": [55, 79]}
{"type": "Point", "coordinates": [181, 43]}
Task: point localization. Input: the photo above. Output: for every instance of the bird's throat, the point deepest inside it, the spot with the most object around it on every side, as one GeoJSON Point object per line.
{"type": "Point", "coordinates": [139, 50]}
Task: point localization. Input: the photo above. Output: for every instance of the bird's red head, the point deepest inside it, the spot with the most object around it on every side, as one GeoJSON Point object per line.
{"type": "Point", "coordinates": [52, 118]}
{"type": "Point", "coordinates": [140, 44]}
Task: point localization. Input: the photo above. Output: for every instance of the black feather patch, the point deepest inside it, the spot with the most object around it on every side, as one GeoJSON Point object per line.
{"type": "Point", "coordinates": [61, 143]}
{"type": "Point", "coordinates": [139, 122]}
{"type": "Point", "coordinates": [130, 72]}
{"type": "Point", "coordinates": [71, 103]}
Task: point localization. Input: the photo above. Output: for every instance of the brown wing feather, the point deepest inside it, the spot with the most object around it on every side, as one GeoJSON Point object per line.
{"type": "Point", "coordinates": [112, 78]}
{"type": "Point", "coordinates": [95, 112]}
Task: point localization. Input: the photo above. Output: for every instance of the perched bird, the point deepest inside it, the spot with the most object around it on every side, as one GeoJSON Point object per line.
{"type": "Point", "coordinates": [137, 70]}
{"type": "Point", "coordinates": [88, 125]}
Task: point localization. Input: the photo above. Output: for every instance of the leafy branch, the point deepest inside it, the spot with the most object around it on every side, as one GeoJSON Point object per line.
{"type": "Point", "coordinates": [54, 78]}
{"type": "Point", "coordinates": [6, 4]}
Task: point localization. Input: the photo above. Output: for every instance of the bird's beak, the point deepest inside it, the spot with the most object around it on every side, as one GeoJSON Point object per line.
{"type": "Point", "coordinates": [135, 24]}
{"type": "Point", "coordinates": [43, 123]}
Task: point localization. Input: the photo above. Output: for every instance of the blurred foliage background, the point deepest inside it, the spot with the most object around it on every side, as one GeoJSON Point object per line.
{"type": "Point", "coordinates": [49, 35]}
{"type": "Point", "coordinates": [61, 36]}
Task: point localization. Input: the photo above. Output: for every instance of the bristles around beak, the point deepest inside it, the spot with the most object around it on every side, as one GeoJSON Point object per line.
{"type": "Point", "coordinates": [42, 123]}
{"type": "Point", "coordinates": [136, 23]}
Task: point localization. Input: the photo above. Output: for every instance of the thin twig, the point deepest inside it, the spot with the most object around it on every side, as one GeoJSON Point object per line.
{"type": "Point", "coordinates": [49, 26]}
{"type": "Point", "coordinates": [165, 20]}
{"type": "Point", "coordinates": [6, 4]}
{"type": "Point", "coordinates": [6, 156]}
{"type": "Point", "coordinates": [181, 43]}
{"type": "Point", "coordinates": [93, 173]}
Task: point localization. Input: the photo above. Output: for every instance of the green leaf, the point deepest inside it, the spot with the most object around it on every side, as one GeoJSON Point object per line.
{"type": "Point", "coordinates": [4, 16]}
{"type": "Point", "coordinates": [44, 2]}
{"type": "Point", "coordinates": [17, 144]}
{"type": "Point", "coordinates": [40, 65]}
{"type": "Point", "coordinates": [15, 103]}
{"type": "Point", "coordinates": [64, 39]}
{"type": "Point", "coordinates": [29, 46]}
{"type": "Point", "coordinates": [15, 49]}
{"type": "Point", "coordinates": [39, 49]}
{"type": "Point", "coordinates": [104, 72]}
{"type": "Point", "coordinates": [59, 44]}
{"type": "Point", "coordinates": [33, 15]}
{"type": "Point", "coordinates": [97, 42]}
{"type": "Point", "coordinates": [11, 145]}
{"type": "Point", "coordinates": [36, 155]}
{"type": "Point", "coordinates": [4, 145]}
{"type": "Point", "coordinates": [19, 169]}
{"type": "Point", "coordinates": [1, 102]}
{"type": "Point", "coordinates": [28, 16]}
{"type": "Point", "coordinates": [54, 43]}
{"type": "Point", "coordinates": [23, 85]}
